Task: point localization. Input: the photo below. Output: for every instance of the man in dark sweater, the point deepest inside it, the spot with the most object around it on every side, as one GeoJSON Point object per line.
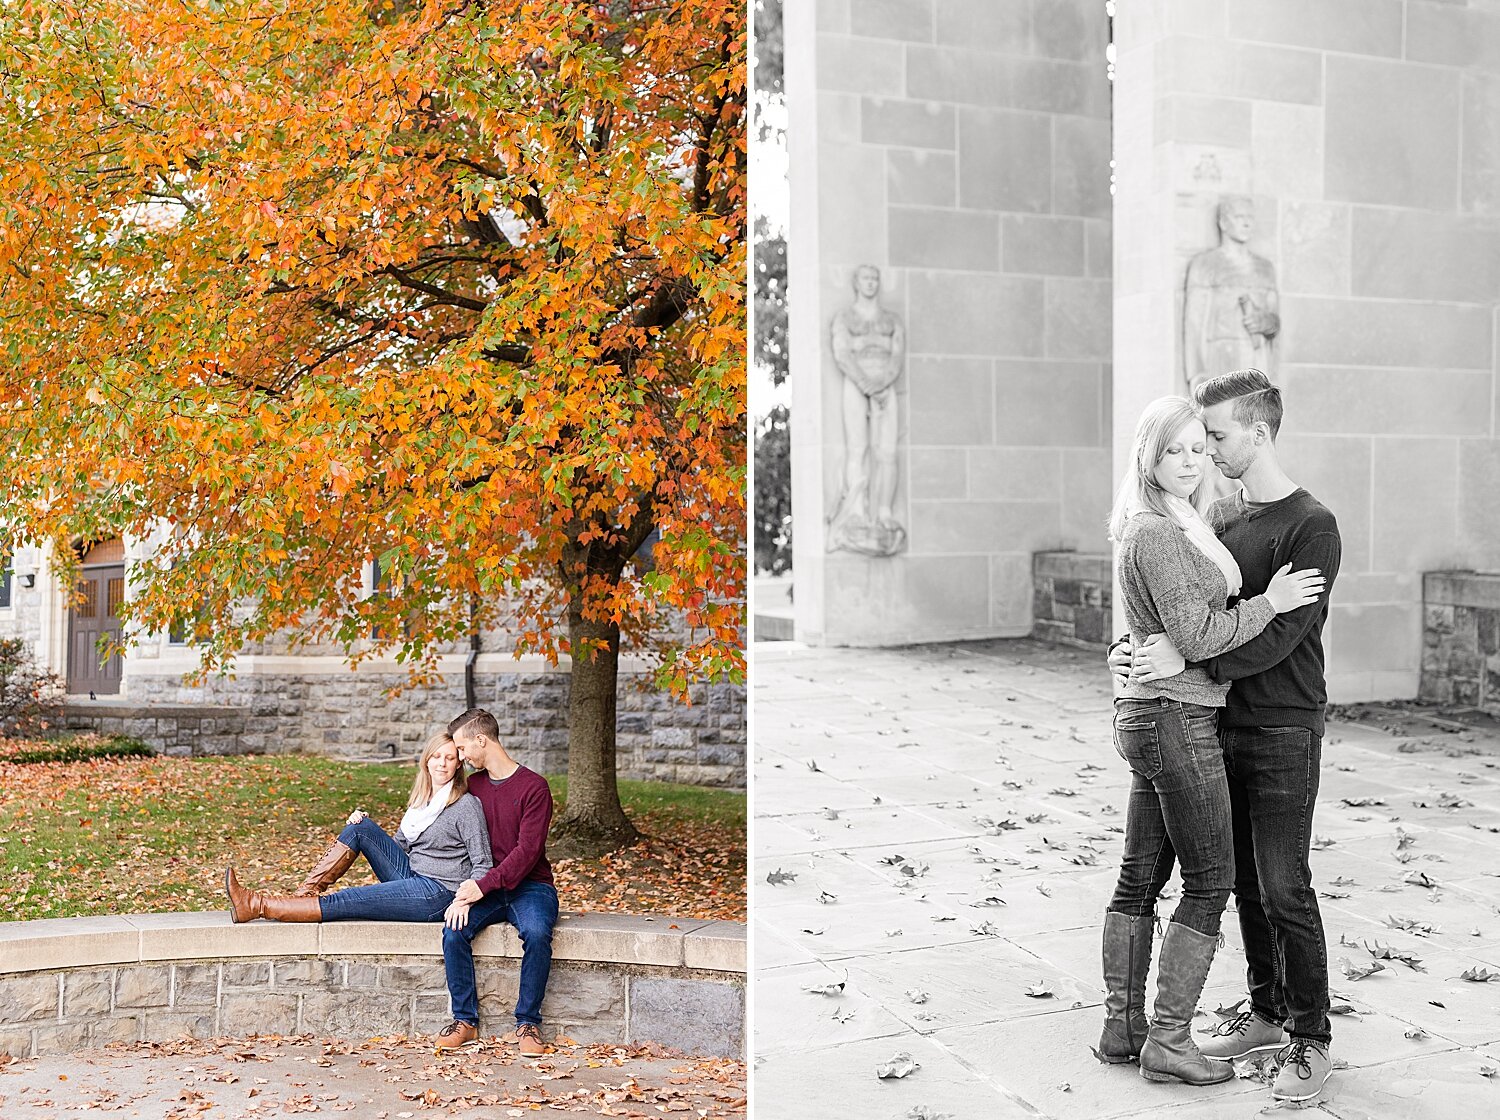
{"type": "Point", "coordinates": [1272, 734]}
{"type": "Point", "coordinates": [518, 889]}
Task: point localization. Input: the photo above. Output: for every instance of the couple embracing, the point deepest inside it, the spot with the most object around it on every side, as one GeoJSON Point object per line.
{"type": "Point", "coordinates": [470, 851]}
{"type": "Point", "coordinates": [1220, 698]}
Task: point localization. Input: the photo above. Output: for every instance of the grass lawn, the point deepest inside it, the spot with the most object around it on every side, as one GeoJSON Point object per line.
{"type": "Point", "coordinates": [128, 835]}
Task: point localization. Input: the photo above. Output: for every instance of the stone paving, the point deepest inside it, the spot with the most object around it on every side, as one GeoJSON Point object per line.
{"type": "Point", "coordinates": [943, 826]}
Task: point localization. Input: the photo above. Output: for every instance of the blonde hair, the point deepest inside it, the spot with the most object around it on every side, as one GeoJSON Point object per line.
{"type": "Point", "coordinates": [421, 787]}
{"type": "Point", "coordinates": [1162, 419]}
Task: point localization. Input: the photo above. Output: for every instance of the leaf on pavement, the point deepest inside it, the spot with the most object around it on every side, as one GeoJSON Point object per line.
{"type": "Point", "coordinates": [901, 1065]}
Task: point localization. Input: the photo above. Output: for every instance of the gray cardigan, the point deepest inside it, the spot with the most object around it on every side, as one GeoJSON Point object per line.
{"type": "Point", "coordinates": [454, 847]}
{"type": "Point", "coordinates": [1171, 587]}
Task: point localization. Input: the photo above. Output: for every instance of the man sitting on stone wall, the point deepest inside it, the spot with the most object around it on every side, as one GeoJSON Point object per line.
{"type": "Point", "coordinates": [518, 889]}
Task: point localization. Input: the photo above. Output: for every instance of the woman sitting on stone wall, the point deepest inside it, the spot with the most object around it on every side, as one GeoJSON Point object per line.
{"type": "Point", "coordinates": [442, 841]}
{"type": "Point", "coordinates": [1175, 577]}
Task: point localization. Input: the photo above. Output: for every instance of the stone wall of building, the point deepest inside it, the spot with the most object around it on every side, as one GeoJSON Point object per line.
{"type": "Point", "coordinates": [350, 713]}
{"type": "Point", "coordinates": [1072, 598]}
{"type": "Point", "coordinates": [1368, 137]}
{"type": "Point", "coordinates": [962, 147]}
{"type": "Point", "coordinates": [1461, 639]}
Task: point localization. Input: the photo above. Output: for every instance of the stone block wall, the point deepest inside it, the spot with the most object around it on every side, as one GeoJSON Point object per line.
{"type": "Point", "coordinates": [361, 997]}
{"type": "Point", "coordinates": [1072, 598]}
{"type": "Point", "coordinates": [79, 983]}
{"type": "Point", "coordinates": [963, 147]}
{"type": "Point", "coordinates": [185, 730]}
{"type": "Point", "coordinates": [348, 713]}
{"type": "Point", "coordinates": [1368, 137]}
{"type": "Point", "coordinates": [1461, 639]}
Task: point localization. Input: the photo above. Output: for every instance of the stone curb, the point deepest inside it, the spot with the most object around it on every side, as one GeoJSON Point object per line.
{"type": "Point", "coordinates": [62, 943]}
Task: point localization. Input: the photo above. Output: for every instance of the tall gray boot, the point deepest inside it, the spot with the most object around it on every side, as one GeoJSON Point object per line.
{"type": "Point", "coordinates": [1127, 956]}
{"type": "Point", "coordinates": [1170, 1054]}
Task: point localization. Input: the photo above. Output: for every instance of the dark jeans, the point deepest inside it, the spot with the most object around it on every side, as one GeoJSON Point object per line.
{"type": "Point", "coordinates": [1273, 782]}
{"type": "Point", "coordinates": [1179, 811]}
{"type": "Point", "coordinates": [532, 909]}
{"type": "Point", "coordinates": [400, 896]}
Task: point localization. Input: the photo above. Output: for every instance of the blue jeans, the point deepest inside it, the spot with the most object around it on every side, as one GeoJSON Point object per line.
{"type": "Point", "coordinates": [400, 896]}
{"type": "Point", "coordinates": [532, 909]}
{"type": "Point", "coordinates": [1273, 783]}
{"type": "Point", "coordinates": [1178, 811]}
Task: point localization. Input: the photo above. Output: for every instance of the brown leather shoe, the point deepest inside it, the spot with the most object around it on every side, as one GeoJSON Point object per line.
{"type": "Point", "coordinates": [327, 871]}
{"type": "Point", "coordinates": [246, 905]}
{"type": "Point", "coordinates": [455, 1034]}
{"type": "Point", "coordinates": [529, 1039]}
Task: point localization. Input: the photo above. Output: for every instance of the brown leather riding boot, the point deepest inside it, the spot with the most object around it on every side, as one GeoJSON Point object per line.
{"type": "Point", "coordinates": [246, 905]}
{"type": "Point", "coordinates": [327, 871]}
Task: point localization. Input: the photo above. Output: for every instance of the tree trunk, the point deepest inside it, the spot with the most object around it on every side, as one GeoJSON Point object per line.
{"type": "Point", "coordinates": [593, 821]}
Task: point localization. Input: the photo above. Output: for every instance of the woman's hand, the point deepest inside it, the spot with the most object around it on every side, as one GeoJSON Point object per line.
{"type": "Point", "coordinates": [457, 915]}
{"type": "Point", "coordinates": [356, 816]}
{"type": "Point", "coordinates": [1290, 590]}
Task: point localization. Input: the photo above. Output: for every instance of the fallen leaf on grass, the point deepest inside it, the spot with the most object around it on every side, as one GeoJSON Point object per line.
{"type": "Point", "coordinates": [1416, 1033]}
{"type": "Point", "coordinates": [922, 1112]}
{"type": "Point", "coordinates": [1421, 879]}
{"type": "Point", "coordinates": [1488, 1071]}
{"type": "Point", "coordinates": [1478, 975]}
{"type": "Point", "coordinates": [1040, 990]}
{"type": "Point", "coordinates": [916, 995]}
{"type": "Point", "coordinates": [900, 1065]}
{"type": "Point", "coordinates": [826, 897]}
{"type": "Point", "coordinates": [777, 877]}
{"type": "Point", "coordinates": [1323, 842]}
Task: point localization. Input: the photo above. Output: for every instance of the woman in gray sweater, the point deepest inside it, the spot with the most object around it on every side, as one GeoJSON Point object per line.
{"type": "Point", "coordinates": [441, 842]}
{"type": "Point", "coordinates": [1175, 577]}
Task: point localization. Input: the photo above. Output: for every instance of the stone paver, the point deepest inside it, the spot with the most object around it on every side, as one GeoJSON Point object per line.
{"type": "Point", "coordinates": [379, 1079]}
{"type": "Point", "coordinates": [952, 816]}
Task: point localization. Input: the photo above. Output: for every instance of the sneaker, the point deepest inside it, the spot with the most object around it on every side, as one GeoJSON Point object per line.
{"type": "Point", "coordinates": [1305, 1066]}
{"type": "Point", "coordinates": [1240, 1035]}
{"type": "Point", "coordinates": [455, 1034]}
{"type": "Point", "coordinates": [529, 1038]}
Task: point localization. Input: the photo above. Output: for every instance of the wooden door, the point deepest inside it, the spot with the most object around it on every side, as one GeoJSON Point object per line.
{"type": "Point", "coordinates": [103, 590]}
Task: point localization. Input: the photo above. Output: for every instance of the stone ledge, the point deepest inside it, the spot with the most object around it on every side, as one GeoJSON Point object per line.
{"type": "Point", "coordinates": [63, 943]}
{"type": "Point", "coordinates": [1462, 589]}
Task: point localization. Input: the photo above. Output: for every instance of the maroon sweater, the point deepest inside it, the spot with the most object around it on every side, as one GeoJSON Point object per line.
{"type": "Point", "coordinates": [518, 812]}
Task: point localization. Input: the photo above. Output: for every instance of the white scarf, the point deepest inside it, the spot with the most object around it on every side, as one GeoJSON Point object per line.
{"type": "Point", "coordinates": [1201, 536]}
{"type": "Point", "coordinates": [418, 817]}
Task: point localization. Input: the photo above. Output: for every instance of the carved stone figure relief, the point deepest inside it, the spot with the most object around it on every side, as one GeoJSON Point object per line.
{"type": "Point", "coordinates": [869, 345]}
{"type": "Point", "coordinates": [1231, 313]}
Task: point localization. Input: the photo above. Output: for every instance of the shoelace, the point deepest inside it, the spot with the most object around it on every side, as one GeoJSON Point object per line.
{"type": "Point", "coordinates": [454, 1027]}
{"type": "Point", "coordinates": [1236, 1025]}
{"type": "Point", "coordinates": [1296, 1054]}
{"type": "Point", "coordinates": [529, 1030]}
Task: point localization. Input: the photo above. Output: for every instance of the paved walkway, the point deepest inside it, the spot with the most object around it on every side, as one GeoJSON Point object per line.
{"type": "Point", "coordinates": [374, 1080]}
{"type": "Point", "coordinates": [952, 818]}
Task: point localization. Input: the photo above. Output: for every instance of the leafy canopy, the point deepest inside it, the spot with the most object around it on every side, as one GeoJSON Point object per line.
{"type": "Point", "coordinates": [458, 287]}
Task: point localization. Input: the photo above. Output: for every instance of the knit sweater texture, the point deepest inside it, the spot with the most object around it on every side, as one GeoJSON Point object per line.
{"type": "Point", "coordinates": [452, 848]}
{"type": "Point", "coordinates": [1170, 587]}
{"type": "Point", "coordinates": [519, 812]}
{"type": "Point", "coordinates": [1278, 678]}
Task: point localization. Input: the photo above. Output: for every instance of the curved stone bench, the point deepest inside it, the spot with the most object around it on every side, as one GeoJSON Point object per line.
{"type": "Point", "coordinates": [73, 983]}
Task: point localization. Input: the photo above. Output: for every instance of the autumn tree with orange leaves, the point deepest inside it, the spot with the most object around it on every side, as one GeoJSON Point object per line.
{"type": "Point", "coordinates": [458, 287]}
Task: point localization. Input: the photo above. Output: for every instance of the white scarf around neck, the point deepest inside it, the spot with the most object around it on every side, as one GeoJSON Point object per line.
{"type": "Point", "coordinates": [1202, 537]}
{"type": "Point", "coordinates": [418, 817]}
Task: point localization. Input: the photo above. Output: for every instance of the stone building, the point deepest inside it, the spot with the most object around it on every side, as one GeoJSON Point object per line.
{"type": "Point", "coordinates": [278, 699]}
{"type": "Point", "coordinates": [1035, 181]}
